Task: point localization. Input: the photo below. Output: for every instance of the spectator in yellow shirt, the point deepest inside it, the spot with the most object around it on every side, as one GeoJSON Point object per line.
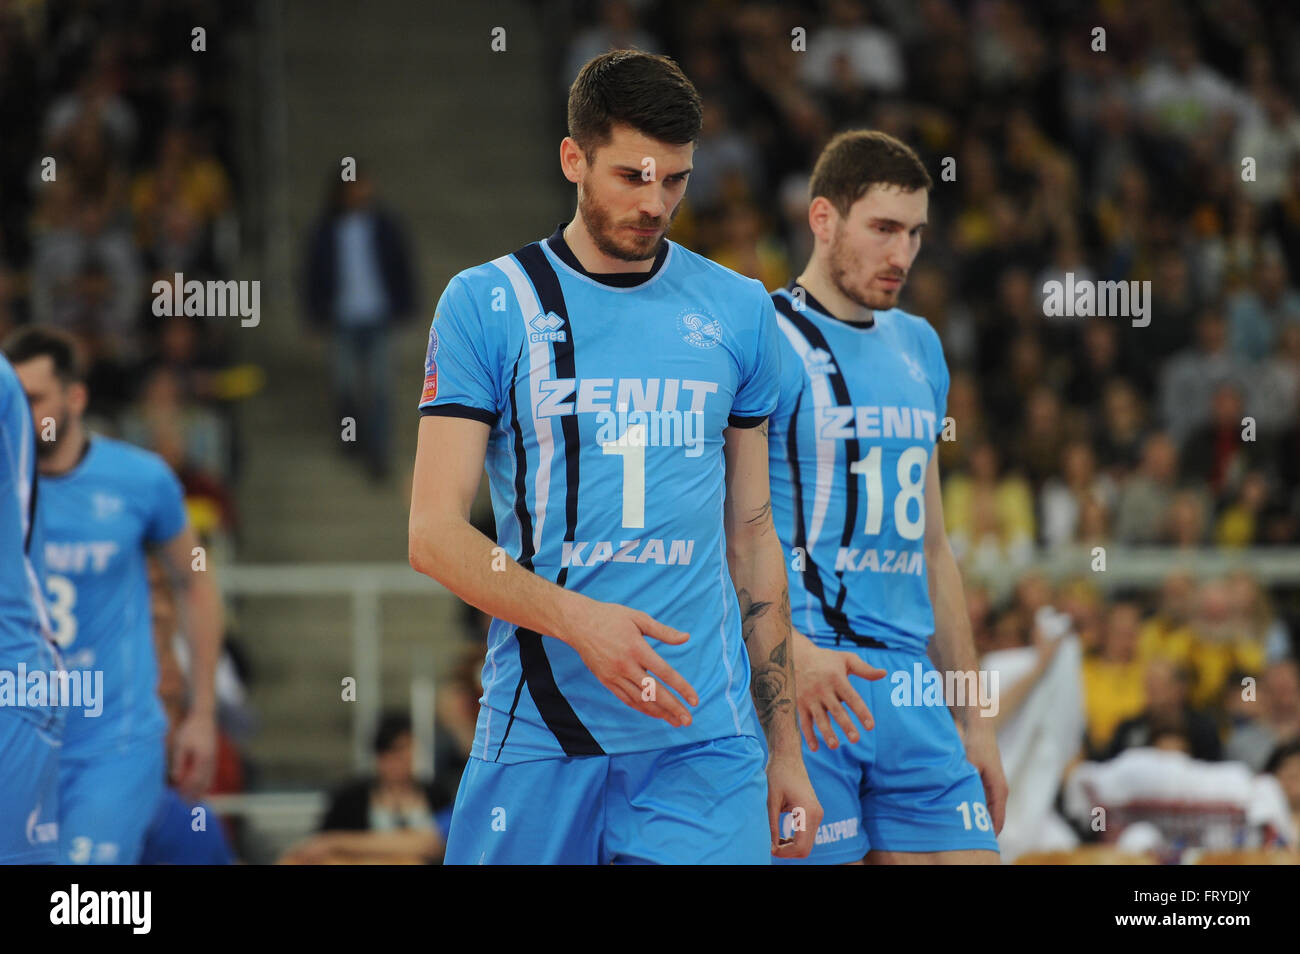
{"type": "Point", "coordinates": [1113, 679]}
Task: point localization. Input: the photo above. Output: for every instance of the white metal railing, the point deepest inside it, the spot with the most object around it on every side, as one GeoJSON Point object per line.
{"type": "Point", "coordinates": [365, 583]}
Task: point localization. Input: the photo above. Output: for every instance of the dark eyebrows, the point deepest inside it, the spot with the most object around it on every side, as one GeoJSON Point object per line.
{"type": "Point", "coordinates": [894, 223]}
{"type": "Point", "coordinates": [637, 170]}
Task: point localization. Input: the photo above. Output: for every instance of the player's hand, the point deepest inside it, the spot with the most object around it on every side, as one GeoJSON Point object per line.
{"type": "Point", "coordinates": [194, 755]}
{"type": "Point", "coordinates": [982, 752]}
{"type": "Point", "coordinates": [610, 638]}
{"type": "Point", "coordinates": [790, 790]}
{"type": "Point", "coordinates": [822, 688]}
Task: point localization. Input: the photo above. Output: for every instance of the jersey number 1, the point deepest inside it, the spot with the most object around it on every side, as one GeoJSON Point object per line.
{"type": "Point", "coordinates": [631, 446]}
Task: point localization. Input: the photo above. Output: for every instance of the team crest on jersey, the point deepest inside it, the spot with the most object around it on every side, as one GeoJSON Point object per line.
{"type": "Point", "coordinates": [431, 366]}
{"type": "Point", "coordinates": [106, 506]}
{"type": "Point", "coordinates": [699, 329]}
{"type": "Point", "coordinates": [818, 361]}
{"type": "Point", "coordinates": [913, 367]}
{"type": "Point", "coordinates": [546, 327]}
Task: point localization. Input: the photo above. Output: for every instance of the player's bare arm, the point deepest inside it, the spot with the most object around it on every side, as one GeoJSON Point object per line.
{"type": "Point", "coordinates": [954, 647]}
{"type": "Point", "coordinates": [443, 544]}
{"type": "Point", "coordinates": [757, 567]}
{"type": "Point", "coordinates": [194, 747]}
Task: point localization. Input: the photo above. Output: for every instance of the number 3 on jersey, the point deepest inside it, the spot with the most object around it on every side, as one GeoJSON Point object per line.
{"type": "Point", "coordinates": [63, 597]}
{"type": "Point", "coordinates": [913, 458]}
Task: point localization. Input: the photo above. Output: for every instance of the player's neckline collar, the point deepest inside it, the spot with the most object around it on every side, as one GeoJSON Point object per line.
{"type": "Point", "coordinates": [821, 309]}
{"type": "Point", "coordinates": [81, 459]}
{"type": "Point", "coordinates": [614, 279]}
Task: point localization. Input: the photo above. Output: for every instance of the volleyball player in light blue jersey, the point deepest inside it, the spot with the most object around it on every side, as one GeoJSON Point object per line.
{"type": "Point", "coordinates": [856, 500]}
{"type": "Point", "coordinates": [617, 386]}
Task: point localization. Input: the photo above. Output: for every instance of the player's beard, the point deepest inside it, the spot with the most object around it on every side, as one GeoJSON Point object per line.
{"type": "Point", "coordinates": [843, 264]}
{"type": "Point", "coordinates": [605, 233]}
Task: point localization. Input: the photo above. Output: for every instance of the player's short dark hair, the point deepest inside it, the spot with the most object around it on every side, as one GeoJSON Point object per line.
{"type": "Point", "coordinates": [60, 347]}
{"type": "Point", "coordinates": [855, 160]}
{"type": "Point", "coordinates": [646, 91]}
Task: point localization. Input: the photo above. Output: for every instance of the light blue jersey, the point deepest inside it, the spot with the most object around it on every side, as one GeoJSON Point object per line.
{"type": "Point", "coordinates": [860, 410]}
{"type": "Point", "coordinates": [99, 517]}
{"type": "Point", "coordinates": [30, 727]}
{"type": "Point", "coordinates": [861, 407]}
{"type": "Point", "coordinates": [607, 402]}
{"type": "Point", "coordinates": [24, 625]}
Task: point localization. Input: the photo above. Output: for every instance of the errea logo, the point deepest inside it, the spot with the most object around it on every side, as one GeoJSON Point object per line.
{"type": "Point", "coordinates": [818, 361]}
{"type": "Point", "coordinates": [546, 327]}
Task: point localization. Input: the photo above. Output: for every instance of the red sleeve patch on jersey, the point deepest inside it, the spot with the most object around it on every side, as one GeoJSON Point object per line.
{"type": "Point", "coordinates": [431, 366]}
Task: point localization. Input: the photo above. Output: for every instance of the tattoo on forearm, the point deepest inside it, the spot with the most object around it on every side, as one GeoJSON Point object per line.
{"type": "Point", "coordinates": [772, 682]}
{"type": "Point", "coordinates": [750, 611]}
{"type": "Point", "coordinates": [769, 686]}
{"type": "Point", "coordinates": [762, 428]}
{"type": "Point", "coordinates": [761, 514]}
{"type": "Point", "coordinates": [778, 655]}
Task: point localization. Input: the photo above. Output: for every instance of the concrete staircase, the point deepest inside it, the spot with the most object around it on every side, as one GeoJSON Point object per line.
{"type": "Point", "coordinates": [461, 143]}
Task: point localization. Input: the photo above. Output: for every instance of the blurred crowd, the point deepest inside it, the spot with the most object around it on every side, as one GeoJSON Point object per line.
{"type": "Point", "coordinates": [117, 171]}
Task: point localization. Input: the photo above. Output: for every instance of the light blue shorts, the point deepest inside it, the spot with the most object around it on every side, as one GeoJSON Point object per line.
{"type": "Point", "coordinates": [904, 786]}
{"type": "Point", "coordinates": [704, 803]}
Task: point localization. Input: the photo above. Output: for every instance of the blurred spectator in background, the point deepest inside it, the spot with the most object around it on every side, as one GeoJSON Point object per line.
{"type": "Point", "coordinates": [1145, 497]}
{"type": "Point", "coordinates": [1239, 522]}
{"type": "Point", "coordinates": [359, 284]}
{"type": "Point", "coordinates": [1225, 639]}
{"type": "Point", "coordinates": [1277, 721]}
{"type": "Point", "coordinates": [1284, 765]}
{"type": "Point", "coordinates": [1166, 685]}
{"type": "Point", "coordinates": [850, 51]}
{"type": "Point", "coordinates": [1257, 313]}
{"type": "Point", "coordinates": [386, 819]}
{"type": "Point", "coordinates": [1275, 397]}
{"type": "Point", "coordinates": [1063, 498]}
{"type": "Point", "coordinates": [177, 204]}
{"type": "Point", "coordinates": [1216, 452]}
{"type": "Point", "coordinates": [1038, 449]}
{"type": "Point", "coordinates": [1190, 379]}
{"type": "Point", "coordinates": [1113, 678]}
{"type": "Point", "coordinates": [988, 511]}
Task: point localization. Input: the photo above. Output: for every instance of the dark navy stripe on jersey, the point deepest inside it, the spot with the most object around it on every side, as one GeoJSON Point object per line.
{"type": "Point", "coordinates": [460, 410]}
{"type": "Point", "coordinates": [833, 613]}
{"type": "Point", "coordinates": [737, 421]}
{"type": "Point", "coordinates": [812, 334]}
{"type": "Point", "coordinates": [31, 508]}
{"type": "Point", "coordinates": [547, 285]}
{"type": "Point", "coordinates": [554, 709]}
{"type": "Point", "coordinates": [521, 514]}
